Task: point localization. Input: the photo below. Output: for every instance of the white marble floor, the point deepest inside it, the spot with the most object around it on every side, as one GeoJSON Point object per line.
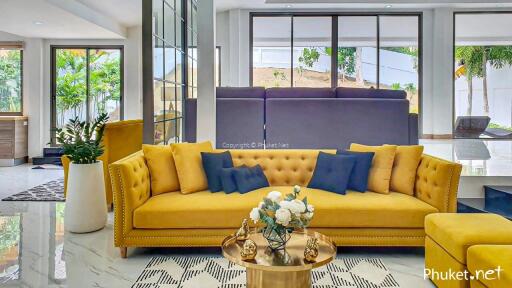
{"type": "Point", "coordinates": [36, 252]}
{"type": "Point", "coordinates": [478, 157]}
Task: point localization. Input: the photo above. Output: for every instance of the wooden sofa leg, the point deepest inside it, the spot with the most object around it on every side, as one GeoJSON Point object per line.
{"type": "Point", "coordinates": [124, 252]}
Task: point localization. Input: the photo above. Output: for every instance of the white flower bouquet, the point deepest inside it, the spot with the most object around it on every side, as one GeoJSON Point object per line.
{"type": "Point", "coordinates": [282, 216]}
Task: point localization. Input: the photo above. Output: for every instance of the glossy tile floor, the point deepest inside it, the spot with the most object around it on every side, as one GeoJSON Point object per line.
{"type": "Point", "coordinates": [36, 252]}
{"type": "Point", "coordinates": [478, 157]}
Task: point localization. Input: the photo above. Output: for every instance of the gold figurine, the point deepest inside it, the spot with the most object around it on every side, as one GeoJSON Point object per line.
{"type": "Point", "coordinates": [311, 249]}
{"type": "Point", "coordinates": [249, 250]}
{"type": "Point", "coordinates": [243, 232]}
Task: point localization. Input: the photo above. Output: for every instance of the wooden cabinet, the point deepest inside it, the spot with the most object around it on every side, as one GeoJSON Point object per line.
{"type": "Point", "coordinates": [13, 140]}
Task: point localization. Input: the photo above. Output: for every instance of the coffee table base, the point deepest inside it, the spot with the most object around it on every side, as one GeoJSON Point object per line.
{"type": "Point", "coordinates": [278, 279]}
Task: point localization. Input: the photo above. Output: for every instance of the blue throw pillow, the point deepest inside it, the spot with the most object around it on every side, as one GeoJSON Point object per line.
{"type": "Point", "coordinates": [228, 179]}
{"type": "Point", "coordinates": [212, 165]}
{"type": "Point", "coordinates": [359, 179]}
{"type": "Point", "coordinates": [249, 178]}
{"type": "Point", "coordinates": [332, 172]}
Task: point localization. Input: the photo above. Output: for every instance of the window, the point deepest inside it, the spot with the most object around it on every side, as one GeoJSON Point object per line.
{"type": "Point", "coordinates": [482, 75]}
{"type": "Point", "coordinates": [357, 51]}
{"type": "Point", "coordinates": [169, 57]}
{"type": "Point", "coordinates": [271, 52]}
{"type": "Point", "coordinates": [87, 81]}
{"type": "Point", "coordinates": [379, 51]}
{"type": "Point", "coordinates": [11, 79]}
{"type": "Point", "coordinates": [399, 56]}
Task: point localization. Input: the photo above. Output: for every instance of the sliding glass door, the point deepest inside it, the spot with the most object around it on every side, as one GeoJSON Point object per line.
{"type": "Point", "coordinates": [483, 75]}
{"type": "Point", "coordinates": [86, 81]}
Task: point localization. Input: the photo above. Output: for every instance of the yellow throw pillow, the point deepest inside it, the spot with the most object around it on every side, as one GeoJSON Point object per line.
{"type": "Point", "coordinates": [189, 165]}
{"type": "Point", "coordinates": [162, 170]}
{"type": "Point", "coordinates": [382, 165]}
{"type": "Point", "coordinates": [406, 162]}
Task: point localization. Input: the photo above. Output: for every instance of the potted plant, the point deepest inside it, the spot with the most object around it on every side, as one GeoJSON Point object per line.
{"type": "Point", "coordinates": [86, 205]}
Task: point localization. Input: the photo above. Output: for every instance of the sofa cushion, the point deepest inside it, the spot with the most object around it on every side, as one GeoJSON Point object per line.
{"type": "Point", "coordinates": [456, 232]}
{"type": "Point", "coordinates": [187, 157]}
{"type": "Point", "coordinates": [227, 180]}
{"type": "Point", "coordinates": [482, 258]}
{"type": "Point", "coordinates": [212, 165]}
{"type": "Point", "coordinates": [382, 165]}
{"type": "Point", "coordinates": [249, 178]}
{"type": "Point", "coordinates": [358, 180]}
{"type": "Point", "coordinates": [332, 172]}
{"type": "Point", "coordinates": [403, 175]}
{"type": "Point", "coordinates": [219, 210]}
{"type": "Point", "coordinates": [162, 170]}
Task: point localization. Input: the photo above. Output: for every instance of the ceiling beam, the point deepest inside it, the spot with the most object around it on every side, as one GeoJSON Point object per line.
{"type": "Point", "coordinates": [88, 14]}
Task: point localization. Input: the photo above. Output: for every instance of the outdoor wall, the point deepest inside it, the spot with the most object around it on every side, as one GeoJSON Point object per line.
{"type": "Point", "coordinates": [37, 81]}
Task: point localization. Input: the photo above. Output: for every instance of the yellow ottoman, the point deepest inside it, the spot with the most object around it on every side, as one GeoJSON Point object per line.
{"type": "Point", "coordinates": [449, 235]}
{"type": "Point", "coordinates": [490, 265]}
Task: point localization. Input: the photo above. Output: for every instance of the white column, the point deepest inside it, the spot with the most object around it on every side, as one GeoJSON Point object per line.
{"type": "Point", "coordinates": [33, 96]}
{"type": "Point", "coordinates": [442, 92]}
{"type": "Point", "coordinates": [206, 119]}
{"type": "Point", "coordinates": [133, 74]}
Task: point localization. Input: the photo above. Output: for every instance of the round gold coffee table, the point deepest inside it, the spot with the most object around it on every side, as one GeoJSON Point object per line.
{"type": "Point", "coordinates": [285, 268]}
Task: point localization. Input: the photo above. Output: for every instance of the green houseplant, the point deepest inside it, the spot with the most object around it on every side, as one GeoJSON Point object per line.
{"type": "Point", "coordinates": [86, 205]}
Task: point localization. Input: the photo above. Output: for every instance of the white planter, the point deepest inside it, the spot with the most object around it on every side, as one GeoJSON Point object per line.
{"type": "Point", "coordinates": [86, 205]}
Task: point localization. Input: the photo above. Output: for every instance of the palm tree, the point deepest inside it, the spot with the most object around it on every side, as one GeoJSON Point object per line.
{"type": "Point", "coordinates": [471, 58]}
{"type": "Point", "coordinates": [498, 57]}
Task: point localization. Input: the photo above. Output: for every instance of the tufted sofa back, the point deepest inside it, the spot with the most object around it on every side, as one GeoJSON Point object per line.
{"type": "Point", "coordinates": [283, 167]}
{"type": "Point", "coordinates": [437, 182]}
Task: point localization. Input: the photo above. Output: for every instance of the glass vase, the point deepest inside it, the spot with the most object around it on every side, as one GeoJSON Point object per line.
{"type": "Point", "coordinates": [276, 237]}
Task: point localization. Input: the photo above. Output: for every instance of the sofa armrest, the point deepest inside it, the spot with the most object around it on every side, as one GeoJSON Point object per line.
{"type": "Point", "coordinates": [437, 183]}
{"type": "Point", "coordinates": [131, 188]}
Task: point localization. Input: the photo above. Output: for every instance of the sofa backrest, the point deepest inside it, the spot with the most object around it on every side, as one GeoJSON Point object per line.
{"type": "Point", "coordinates": [335, 123]}
{"type": "Point", "coordinates": [300, 92]}
{"type": "Point", "coordinates": [348, 92]}
{"type": "Point", "coordinates": [281, 167]}
{"type": "Point", "coordinates": [240, 118]}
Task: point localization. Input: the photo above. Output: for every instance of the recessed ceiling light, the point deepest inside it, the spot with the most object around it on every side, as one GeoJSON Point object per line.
{"type": "Point", "coordinates": [38, 23]}
{"type": "Point", "coordinates": [288, 6]}
{"type": "Point", "coordinates": [388, 6]}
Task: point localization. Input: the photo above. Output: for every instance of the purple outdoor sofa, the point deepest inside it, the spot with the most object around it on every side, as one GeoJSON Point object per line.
{"type": "Point", "coordinates": [309, 118]}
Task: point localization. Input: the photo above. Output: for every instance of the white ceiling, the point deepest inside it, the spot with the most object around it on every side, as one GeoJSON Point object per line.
{"type": "Point", "coordinates": [69, 19]}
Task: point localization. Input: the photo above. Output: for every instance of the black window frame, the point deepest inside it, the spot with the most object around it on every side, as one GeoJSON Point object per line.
{"type": "Point", "coordinates": [17, 113]}
{"type": "Point", "coordinates": [334, 38]}
{"type": "Point", "coordinates": [53, 79]}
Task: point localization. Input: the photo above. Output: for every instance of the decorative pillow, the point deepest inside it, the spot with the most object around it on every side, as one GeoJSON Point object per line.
{"type": "Point", "coordinates": [187, 157]}
{"type": "Point", "coordinates": [162, 170]}
{"type": "Point", "coordinates": [332, 172]}
{"type": "Point", "coordinates": [407, 160]}
{"type": "Point", "coordinates": [212, 165]}
{"type": "Point", "coordinates": [382, 165]}
{"type": "Point", "coordinates": [358, 180]}
{"type": "Point", "coordinates": [228, 179]}
{"type": "Point", "coordinates": [249, 178]}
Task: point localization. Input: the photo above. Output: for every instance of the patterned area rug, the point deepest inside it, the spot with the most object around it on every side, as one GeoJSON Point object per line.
{"type": "Point", "coordinates": [50, 191]}
{"type": "Point", "coordinates": [217, 272]}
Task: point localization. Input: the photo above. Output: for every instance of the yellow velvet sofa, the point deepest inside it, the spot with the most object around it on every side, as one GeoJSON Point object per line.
{"type": "Point", "coordinates": [120, 139]}
{"type": "Point", "coordinates": [205, 219]}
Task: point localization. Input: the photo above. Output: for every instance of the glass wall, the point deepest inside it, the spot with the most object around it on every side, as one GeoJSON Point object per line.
{"type": "Point", "coordinates": [169, 83]}
{"type": "Point", "coordinates": [11, 63]}
{"type": "Point", "coordinates": [86, 82]}
{"type": "Point", "coordinates": [483, 75]}
{"type": "Point", "coordinates": [372, 51]}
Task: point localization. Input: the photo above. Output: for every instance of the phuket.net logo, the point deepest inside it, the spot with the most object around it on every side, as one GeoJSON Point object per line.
{"type": "Point", "coordinates": [490, 274]}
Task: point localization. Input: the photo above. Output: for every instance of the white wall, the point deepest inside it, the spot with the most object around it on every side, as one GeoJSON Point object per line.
{"type": "Point", "coordinates": [37, 78]}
